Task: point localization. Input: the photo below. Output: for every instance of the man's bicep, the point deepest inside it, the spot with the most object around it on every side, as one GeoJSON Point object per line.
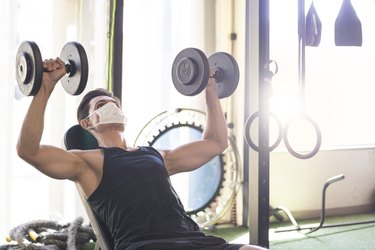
{"type": "Point", "coordinates": [56, 162]}
{"type": "Point", "coordinates": [189, 157]}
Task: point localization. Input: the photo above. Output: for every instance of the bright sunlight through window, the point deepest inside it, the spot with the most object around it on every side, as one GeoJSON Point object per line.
{"type": "Point", "coordinates": [339, 82]}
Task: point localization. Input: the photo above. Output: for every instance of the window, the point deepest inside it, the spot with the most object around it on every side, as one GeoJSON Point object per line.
{"type": "Point", "coordinates": [339, 80]}
{"type": "Point", "coordinates": [26, 194]}
{"type": "Point", "coordinates": [154, 33]}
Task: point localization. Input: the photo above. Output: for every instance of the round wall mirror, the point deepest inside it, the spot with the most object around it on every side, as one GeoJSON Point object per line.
{"type": "Point", "coordinates": [196, 189]}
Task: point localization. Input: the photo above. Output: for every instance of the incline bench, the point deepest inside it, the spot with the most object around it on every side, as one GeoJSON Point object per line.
{"type": "Point", "coordinates": [78, 138]}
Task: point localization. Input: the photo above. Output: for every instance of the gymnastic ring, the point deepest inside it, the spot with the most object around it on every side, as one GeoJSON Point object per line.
{"type": "Point", "coordinates": [248, 139]}
{"type": "Point", "coordinates": [318, 140]}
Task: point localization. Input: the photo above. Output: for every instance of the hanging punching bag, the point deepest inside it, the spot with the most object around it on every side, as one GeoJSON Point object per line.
{"type": "Point", "coordinates": [313, 27]}
{"type": "Point", "coordinates": [348, 28]}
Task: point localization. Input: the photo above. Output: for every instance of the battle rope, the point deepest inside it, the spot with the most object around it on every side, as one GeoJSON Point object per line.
{"type": "Point", "coordinates": [44, 234]}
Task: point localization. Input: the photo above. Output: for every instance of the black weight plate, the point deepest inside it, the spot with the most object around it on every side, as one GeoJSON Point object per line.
{"type": "Point", "coordinates": [190, 71]}
{"type": "Point", "coordinates": [74, 54]}
{"type": "Point", "coordinates": [226, 73]}
{"type": "Point", "coordinates": [29, 68]}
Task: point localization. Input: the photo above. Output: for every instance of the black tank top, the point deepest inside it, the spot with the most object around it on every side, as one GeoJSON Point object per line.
{"type": "Point", "coordinates": [136, 200]}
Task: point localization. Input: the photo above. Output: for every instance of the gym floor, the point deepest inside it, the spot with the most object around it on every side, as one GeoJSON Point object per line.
{"type": "Point", "coordinates": [358, 237]}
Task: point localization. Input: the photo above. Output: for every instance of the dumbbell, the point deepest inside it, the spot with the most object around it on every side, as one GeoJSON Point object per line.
{"type": "Point", "coordinates": [191, 71]}
{"type": "Point", "coordinates": [29, 68]}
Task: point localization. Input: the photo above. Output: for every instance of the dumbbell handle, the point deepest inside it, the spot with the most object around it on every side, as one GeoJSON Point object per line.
{"type": "Point", "coordinates": [218, 75]}
{"type": "Point", "coordinates": [68, 68]}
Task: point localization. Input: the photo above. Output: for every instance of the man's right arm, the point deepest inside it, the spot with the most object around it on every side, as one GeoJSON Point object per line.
{"type": "Point", "coordinates": [52, 161]}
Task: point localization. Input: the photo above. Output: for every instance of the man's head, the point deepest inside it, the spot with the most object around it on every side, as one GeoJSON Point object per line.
{"type": "Point", "coordinates": [100, 107]}
{"type": "Point", "coordinates": [84, 106]}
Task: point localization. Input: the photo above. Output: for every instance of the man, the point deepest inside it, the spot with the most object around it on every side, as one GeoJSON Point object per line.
{"type": "Point", "coordinates": [128, 188]}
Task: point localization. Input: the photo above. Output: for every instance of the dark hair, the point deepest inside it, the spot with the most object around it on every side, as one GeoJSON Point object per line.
{"type": "Point", "coordinates": [83, 108]}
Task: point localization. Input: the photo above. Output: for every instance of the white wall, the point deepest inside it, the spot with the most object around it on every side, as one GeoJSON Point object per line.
{"type": "Point", "coordinates": [297, 184]}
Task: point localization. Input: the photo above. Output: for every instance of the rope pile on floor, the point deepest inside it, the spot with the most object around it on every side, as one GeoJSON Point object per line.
{"type": "Point", "coordinates": [50, 235]}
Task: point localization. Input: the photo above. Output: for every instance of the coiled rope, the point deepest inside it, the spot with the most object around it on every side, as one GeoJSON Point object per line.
{"type": "Point", "coordinates": [50, 235]}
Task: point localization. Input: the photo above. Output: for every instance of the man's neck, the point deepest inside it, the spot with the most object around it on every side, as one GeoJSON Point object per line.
{"type": "Point", "coordinates": [111, 137]}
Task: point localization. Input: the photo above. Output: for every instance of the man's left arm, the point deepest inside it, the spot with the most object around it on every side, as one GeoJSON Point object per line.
{"type": "Point", "coordinates": [214, 140]}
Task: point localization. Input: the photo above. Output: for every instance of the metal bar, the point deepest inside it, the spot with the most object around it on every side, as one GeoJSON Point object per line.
{"type": "Point", "coordinates": [117, 46]}
{"type": "Point", "coordinates": [264, 154]}
{"type": "Point", "coordinates": [246, 155]}
{"type": "Point", "coordinates": [324, 193]}
{"type": "Point", "coordinates": [252, 105]}
{"type": "Point", "coordinates": [301, 52]}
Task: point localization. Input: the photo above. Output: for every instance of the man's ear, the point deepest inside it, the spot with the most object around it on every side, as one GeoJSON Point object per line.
{"type": "Point", "coordinates": [84, 123]}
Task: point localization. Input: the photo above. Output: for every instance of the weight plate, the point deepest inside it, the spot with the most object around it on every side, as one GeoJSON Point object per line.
{"type": "Point", "coordinates": [29, 68]}
{"type": "Point", "coordinates": [24, 68]}
{"type": "Point", "coordinates": [190, 71]}
{"type": "Point", "coordinates": [74, 54]}
{"type": "Point", "coordinates": [186, 71]}
{"type": "Point", "coordinates": [226, 73]}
